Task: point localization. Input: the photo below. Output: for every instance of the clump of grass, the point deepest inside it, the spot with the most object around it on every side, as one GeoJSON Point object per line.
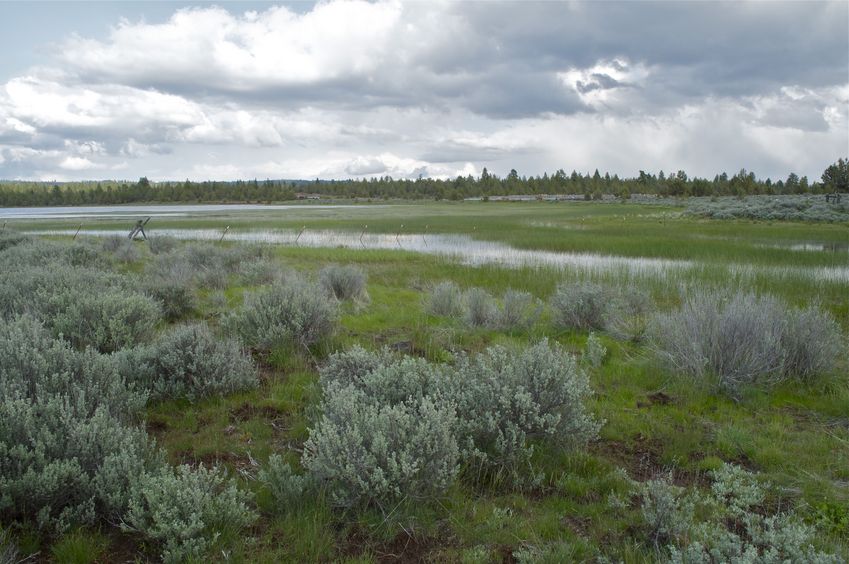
{"type": "Point", "coordinates": [344, 282]}
{"type": "Point", "coordinates": [745, 339]}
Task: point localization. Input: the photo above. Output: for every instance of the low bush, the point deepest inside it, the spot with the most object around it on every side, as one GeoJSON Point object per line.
{"type": "Point", "coordinates": [627, 317]}
{"type": "Point", "coordinates": [287, 488]}
{"type": "Point", "coordinates": [811, 343]}
{"type": "Point", "coordinates": [503, 400]}
{"type": "Point", "coordinates": [161, 245]}
{"type": "Point", "coordinates": [352, 366]}
{"type": "Point", "coordinates": [121, 249]}
{"type": "Point", "coordinates": [581, 306]}
{"type": "Point", "coordinates": [9, 553]}
{"type": "Point", "coordinates": [292, 312]}
{"type": "Point", "coordinates": [445, 299]}
{"type": "Point", "coordinates": [188, 362]}
{"type": "Point", "coordinates": [186, 510]}
{"type": "Point", "coordinates": [370, 453]}
{"type": "Point", "coordinates": [726, 525]}
{"type": "Point", "coordinates": [176, 297]}
{"type": "Point", "coordinates": [506, 400]}
{"type": "Point", "coordinates": [519, 311]}
{"type": "Point", "coordinates": [480, 308]}
{"type": "Point", "coordinates": [108, 321]}
{"type": "Point", "coordinates": [745, 339]}
{"type": "Point", "coordinates": [344, 282]}
{"type": "Point", "coordinates": [68, 447]}
{"type": "Point", "coordinates": [594, 351]}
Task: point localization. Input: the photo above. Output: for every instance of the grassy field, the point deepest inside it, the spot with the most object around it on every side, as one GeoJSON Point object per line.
{"type": "Point", "coordinates": [796, 436]}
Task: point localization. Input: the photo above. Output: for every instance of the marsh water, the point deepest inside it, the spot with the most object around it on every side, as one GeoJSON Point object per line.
{"type": "Point", "coordinates": [470, 251]}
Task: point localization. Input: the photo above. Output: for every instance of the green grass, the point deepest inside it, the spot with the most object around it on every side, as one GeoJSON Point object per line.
{"type": "Point", "coordinates": [796, 436]}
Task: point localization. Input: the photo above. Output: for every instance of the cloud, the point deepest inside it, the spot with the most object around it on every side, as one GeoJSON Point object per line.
{"type": "Point", "coordinates": [77, 163]}
{"type": "Point", "coordinates": [358, 89]}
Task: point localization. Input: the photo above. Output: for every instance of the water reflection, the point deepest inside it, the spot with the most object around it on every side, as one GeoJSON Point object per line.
{"type": "Point", "coordinates": [467, 250]}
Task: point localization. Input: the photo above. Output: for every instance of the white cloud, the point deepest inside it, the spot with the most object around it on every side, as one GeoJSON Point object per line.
{"type": "Point", "coordinates": [77, 163]}
{"type": "Point", "coordinates": [358, 89]}
{"type": "Point", "coordinates": [211, 46]}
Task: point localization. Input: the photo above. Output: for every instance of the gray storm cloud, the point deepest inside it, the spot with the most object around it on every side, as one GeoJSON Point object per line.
{"type": "Point", "coordinates": [348, 89]}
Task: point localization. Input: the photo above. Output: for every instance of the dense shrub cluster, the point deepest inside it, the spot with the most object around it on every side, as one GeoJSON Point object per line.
{"type": "Point", "coordinates": [344, 282]}
{"type": "Point", "coordinates": [68, 446]}
{"type": "Point", "coordinates": [72, 451]}
{"type": "Point", "coordinates": [290, 312]}
{"type": "Point", "coordinates": [202, 264]}
{"type": "Point", "coordinates": [804, 207]}
{"type": "Point", "coordinates": [86, 305]}
{"type": "Point", "coordinates": [483, 413]}
{"type": "Point", "coordinates": [188, 362]}
{"type": "Point", "coordinates": [478, 308]}
{"type": "Point", "coordinates": [745, 339]}
{"type": "Point", "coordinates": [186, 510]}
{"type": "Point", "coordinates": [731, 525]}
{"type": "Point", "coordinates": [108, 322]}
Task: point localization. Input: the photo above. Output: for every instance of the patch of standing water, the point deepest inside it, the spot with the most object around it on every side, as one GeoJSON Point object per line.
{"type": "Point", "coordinates": [469, 251]}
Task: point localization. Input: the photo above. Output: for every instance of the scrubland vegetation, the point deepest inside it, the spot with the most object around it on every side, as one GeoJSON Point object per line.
{"type": "Point", "coordinates": [183, 401]}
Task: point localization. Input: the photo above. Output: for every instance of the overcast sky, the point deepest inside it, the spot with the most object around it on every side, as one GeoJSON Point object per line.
{"type": "Point", "coordinates": [350, 89]}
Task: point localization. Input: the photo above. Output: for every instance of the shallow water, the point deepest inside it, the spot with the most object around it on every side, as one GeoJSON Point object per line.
{"type": "Point", "coordinates": [467, 250]}
{"type": "Point", "coordinates": [462, 248]}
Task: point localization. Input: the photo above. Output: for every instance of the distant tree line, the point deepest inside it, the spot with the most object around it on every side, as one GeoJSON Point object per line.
{"type": "Point", "coordinates": [590, 186]}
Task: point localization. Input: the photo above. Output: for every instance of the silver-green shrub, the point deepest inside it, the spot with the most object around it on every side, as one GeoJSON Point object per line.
{"type": "Point", "coordinates": [594, 351]}
{"type": "Point", "coordinates": [186, 510]}
{"type": "Point", "coordinates": [292, 312]}
{"type": "Point", "coordinates": [505, 400]}
{"type": "Point", "coordinates": [287, 488]}
{"type": "Point", "coordinates": [69, 449]}
{"type": "Point", "coordinates": [344, 282]}
{"type": "Point", "coordinates": [812, 343]}
{"type": "Point", "coordinates": [480, 308]}
{"type": "Point", "coordinates": [519, 311]}
{"type": "Point", "coordinates": [121, 249]}
{"type": "Point", "coordinates": [735, 498]}
{"type": "Point", "coordinates": [580, 306]}
{"type": "Point", "coordinates": [176, 297]}
{"type": "Point", "coordinates": [374, 453]}
{"type": "Point", "coordinates": [446, 300]}
{"type": "Point", "coordinates": [108, 321]}
{"type": "Point", "coordinates": [188, 362]}
{"type": "Point", "coordinates": [628, 314]}
{"type": "Point", "coordinates": [352, 366]}
{"type": "Point", "coordinates": [744, 339]}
